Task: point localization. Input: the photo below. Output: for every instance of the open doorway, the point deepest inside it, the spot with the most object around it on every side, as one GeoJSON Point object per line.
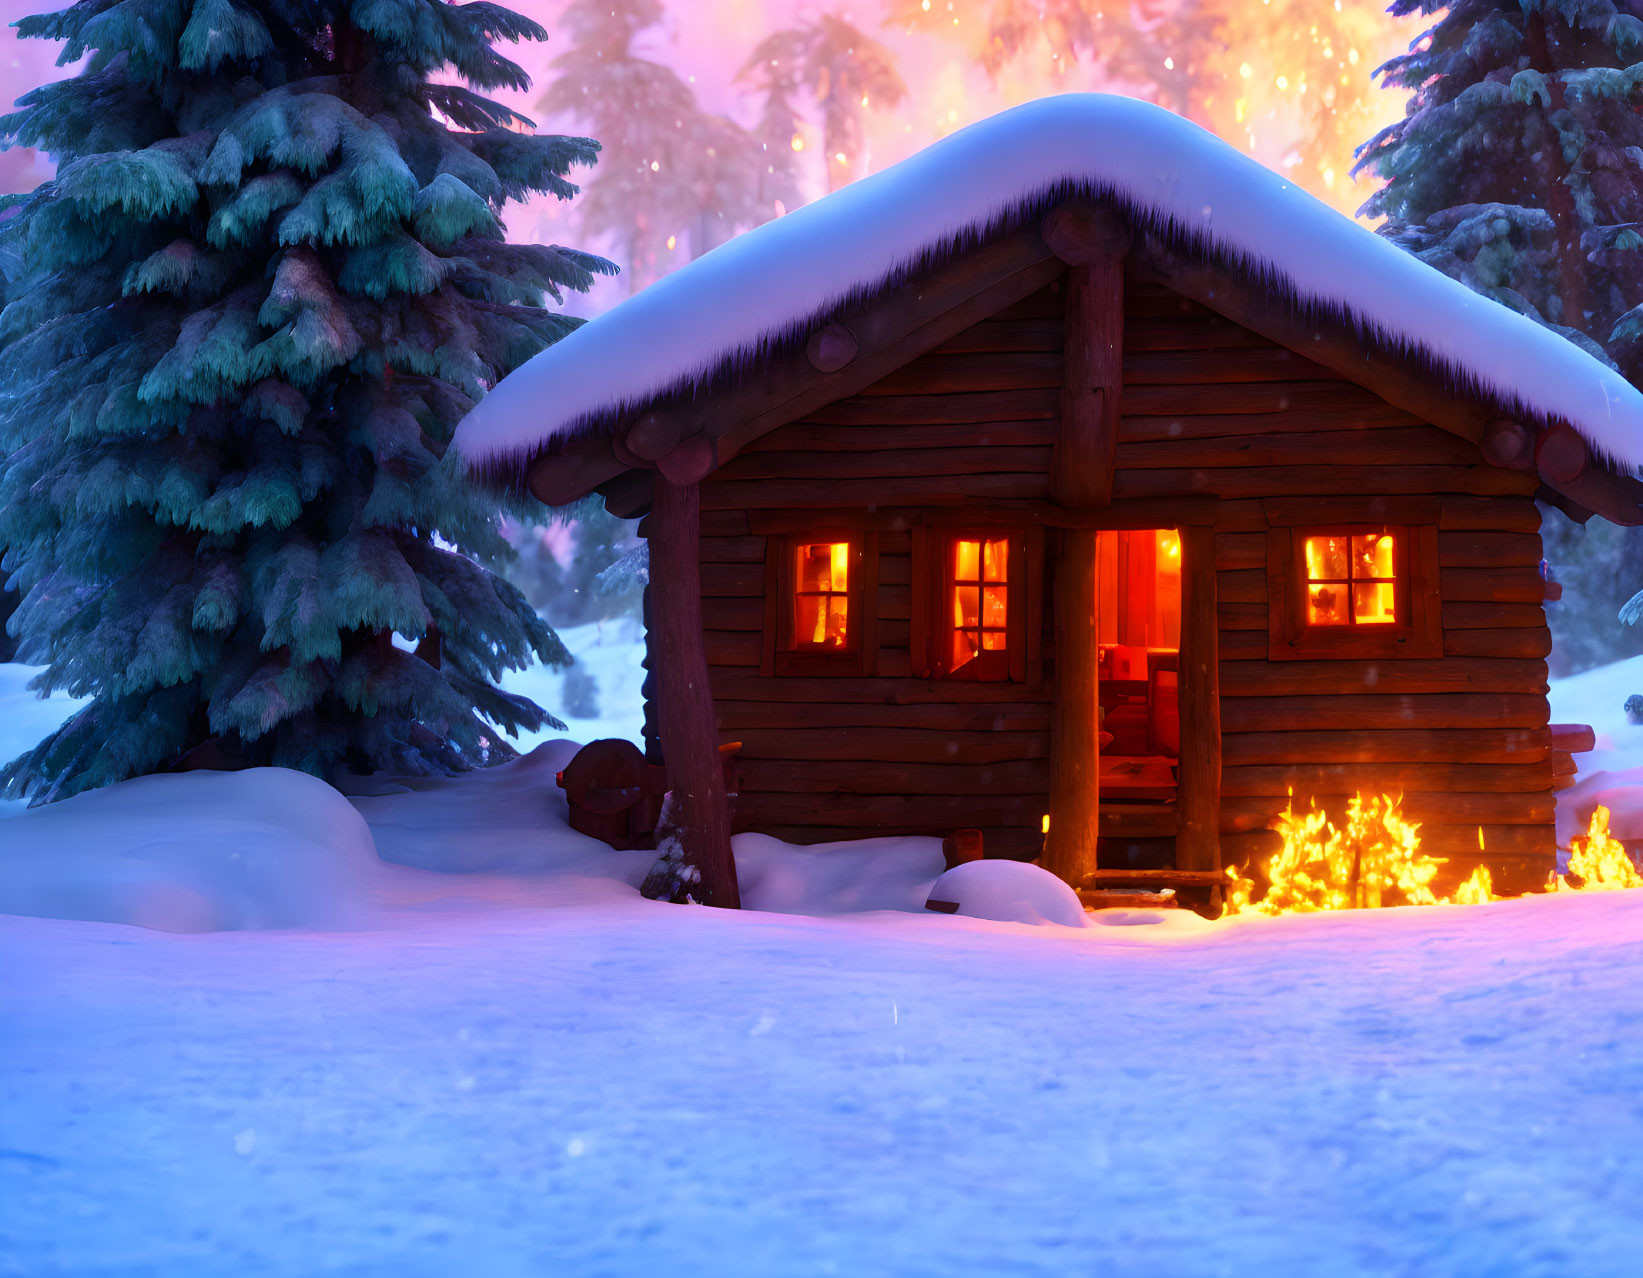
{"type": "Point", "coordinates": [1138, 622]}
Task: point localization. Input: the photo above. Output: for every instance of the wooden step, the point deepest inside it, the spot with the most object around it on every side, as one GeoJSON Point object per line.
{"type": "Point", "coordinates": [1154, 880]}
{"type": "Point", "coordinates": [1128, 899]}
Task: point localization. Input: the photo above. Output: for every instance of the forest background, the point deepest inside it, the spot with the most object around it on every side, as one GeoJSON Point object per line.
{"type": "Point", "coordinates": [716, 115]}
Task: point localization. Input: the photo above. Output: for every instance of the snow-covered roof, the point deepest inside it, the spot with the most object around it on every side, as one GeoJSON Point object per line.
{"type": "Point", "coordinates": [1173, 177]}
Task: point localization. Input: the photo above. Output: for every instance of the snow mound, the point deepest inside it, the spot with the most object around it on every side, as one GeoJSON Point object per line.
{"type": "Point", "coordinates": [1171, 173]}
{"type": "Point", "coordinates": [504, 830]}
{"type": "Point", "coordinates": [192, 852]}
{"type": "Point", "coordinates": [1009, 892]}
{"type": "Point", "coordinates": [835, 878]}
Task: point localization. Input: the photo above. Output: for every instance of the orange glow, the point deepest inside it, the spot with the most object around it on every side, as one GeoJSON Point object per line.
{"type": "Point", "coordinates": [1598, 862]}
{"type": "Point", "coordinates": [1374, 860]}
{"type": "Point", "coordinates": [981, 597]}
{"type": "Point", "coordinates": [1360, 570]}
{"type": "Point", "coordinates": [1138, 585]}
{"type": "Point", "coordinates": [821, 602]}
{"type": "Point", "coordinates": [1286, 81]}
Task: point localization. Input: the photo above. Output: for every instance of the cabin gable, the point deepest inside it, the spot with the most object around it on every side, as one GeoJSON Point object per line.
{"type": "Point", "coordinates": [1224, 437]}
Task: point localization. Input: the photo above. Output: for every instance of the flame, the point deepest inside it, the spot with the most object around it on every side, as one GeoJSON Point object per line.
{"type": "Point", "coordinates": [1374, 860]}
{"type": "Point", "coordinates": [1598, 862]}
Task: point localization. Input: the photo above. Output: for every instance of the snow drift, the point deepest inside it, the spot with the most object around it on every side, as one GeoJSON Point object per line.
{"type": "Point", "coordinates": [1009, 892]}
{"type": "Point", "coordinates": [192, 852]}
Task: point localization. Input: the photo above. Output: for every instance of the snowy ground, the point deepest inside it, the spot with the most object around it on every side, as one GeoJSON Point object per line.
{"type": "Point", "coordinates": [478, 1051]}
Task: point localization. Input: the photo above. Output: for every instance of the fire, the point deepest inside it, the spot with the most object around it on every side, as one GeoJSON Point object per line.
{"type": "Point", "coordinates": [1598, 862]}
{"type": "Point", "coordinates": [1374, 860]}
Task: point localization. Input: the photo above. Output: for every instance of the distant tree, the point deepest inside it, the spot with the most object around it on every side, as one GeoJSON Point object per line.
{"type": "Point", "coordinates": [779, 131]}
{"type": "Point", "coordinates": [1175, 51]}
{"type": "Point", "coordinates": [669, 172]}
{"type": "Point", "coordinates": [560, 566]}
{"type": "Point", "coordinates": [1590, 561]}
{"type": "Point", "coordinates": [1516, 168]}
{"type": "Point", "coordinates": [843, 71]}
{"type": "Point", "coordinates": [267, 281]}
{"type": "Point", "coordinates": [1286, 71]}
{"type": "Point", "coordinates": [725, 170]}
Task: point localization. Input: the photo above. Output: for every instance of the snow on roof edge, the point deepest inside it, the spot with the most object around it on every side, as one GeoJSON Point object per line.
{"type": "Point", "coordinates": [772, 284]}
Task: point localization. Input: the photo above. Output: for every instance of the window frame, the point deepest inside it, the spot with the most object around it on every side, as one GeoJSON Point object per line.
{"type": "Point", "coordinates": [1020, 660]}
{"type": "Point", "coordinates": [1417, 634]}
{"type": "Point", "coordinates": [782, 655]}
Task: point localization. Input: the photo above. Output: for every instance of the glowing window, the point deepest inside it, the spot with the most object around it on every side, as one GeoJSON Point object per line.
{"type": "Point", "coordinates": [821, 596]}
{"type": "Point", "coordinates": [980, 598]}
{"type": "Point", "coordinates": [1351, 579]}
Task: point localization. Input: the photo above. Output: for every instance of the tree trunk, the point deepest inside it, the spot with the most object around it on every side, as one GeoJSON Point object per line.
{"type": "Point", "coordinates": [1554, 175]}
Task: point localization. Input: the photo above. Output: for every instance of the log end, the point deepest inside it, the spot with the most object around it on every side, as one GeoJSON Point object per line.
{"type": "Point", "coordinates": [691, 461]}
{"type": "Point", "coordinates": [1084, 234]}
{"type": "Point", "coordinates": [831, 348]}
{"type": "Point", "coordinates": [1561, 454]}
{"type": "Point", "coordinates": [653, 436]}
{"type": "Point", "coordinates": [1507, 444]}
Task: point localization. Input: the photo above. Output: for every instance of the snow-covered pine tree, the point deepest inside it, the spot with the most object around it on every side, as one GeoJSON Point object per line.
{"type": "Point", "coordinates": [1518, 167]}
{"type": "Point", "coordinates": [9, 264]}
{"type": "Point", "coordinates": [267, 281]}
{"type": "Point", "coordinates": [1518, 170]}
{"type": "Point", "coordinates": [846, 73]}
{"type": "Point", "coordinates": [669, 172]}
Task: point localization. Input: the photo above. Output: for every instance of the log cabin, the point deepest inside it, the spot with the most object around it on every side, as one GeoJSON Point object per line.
{"type": "Point", "coordinates": [1082, 482]}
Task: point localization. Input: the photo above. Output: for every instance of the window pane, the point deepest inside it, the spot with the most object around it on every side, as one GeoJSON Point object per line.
{"type": "Point", "coordinates": [997, 559]}
{"type": "Point", "coordinates": [837, 620]}
{"type": "Point", "coordinates": [809, 620]}
{"type": "Point", "coordinates": [1326, 605]}
{"type": "Point", "coordinates": [967, 560]}
{"type": "Point", "coordinates": [995, 605]}
{"type": "Point", "coordinates": [841, 566]}
{"type": "Point", "coordinates": [824, 566]}
{"type": "Point", "coordinates": [1326, 559]}
{"type": "Point", "coordinates": [813, 563]}
{"type": "Point", "coordinates": [966, 606]}
{"type": "Point", "coordinates": [964, 648]}
{"type": "Point", "coordinates": [1372, 555]}
{"type": "Point", "coordinates": [992, 640]}
{"type": "Point", "coordinates": [1372, 603]}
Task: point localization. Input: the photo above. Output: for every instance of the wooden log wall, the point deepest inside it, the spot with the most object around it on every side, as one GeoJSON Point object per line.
{"type": "Point", "coordinates": [1208, 408]}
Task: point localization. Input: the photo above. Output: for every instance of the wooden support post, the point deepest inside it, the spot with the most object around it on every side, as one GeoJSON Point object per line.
{"type": "Point", "coordinates": [1093, 242]}
{"type": "Point", "coordinates": [1082, 463]}
{"type": "Point", "coordinates": [689, 745]}
{"type": "Point", "coordinates": [1075, 751]}
{"type": "Point", "coordinates": [1198, 797]}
